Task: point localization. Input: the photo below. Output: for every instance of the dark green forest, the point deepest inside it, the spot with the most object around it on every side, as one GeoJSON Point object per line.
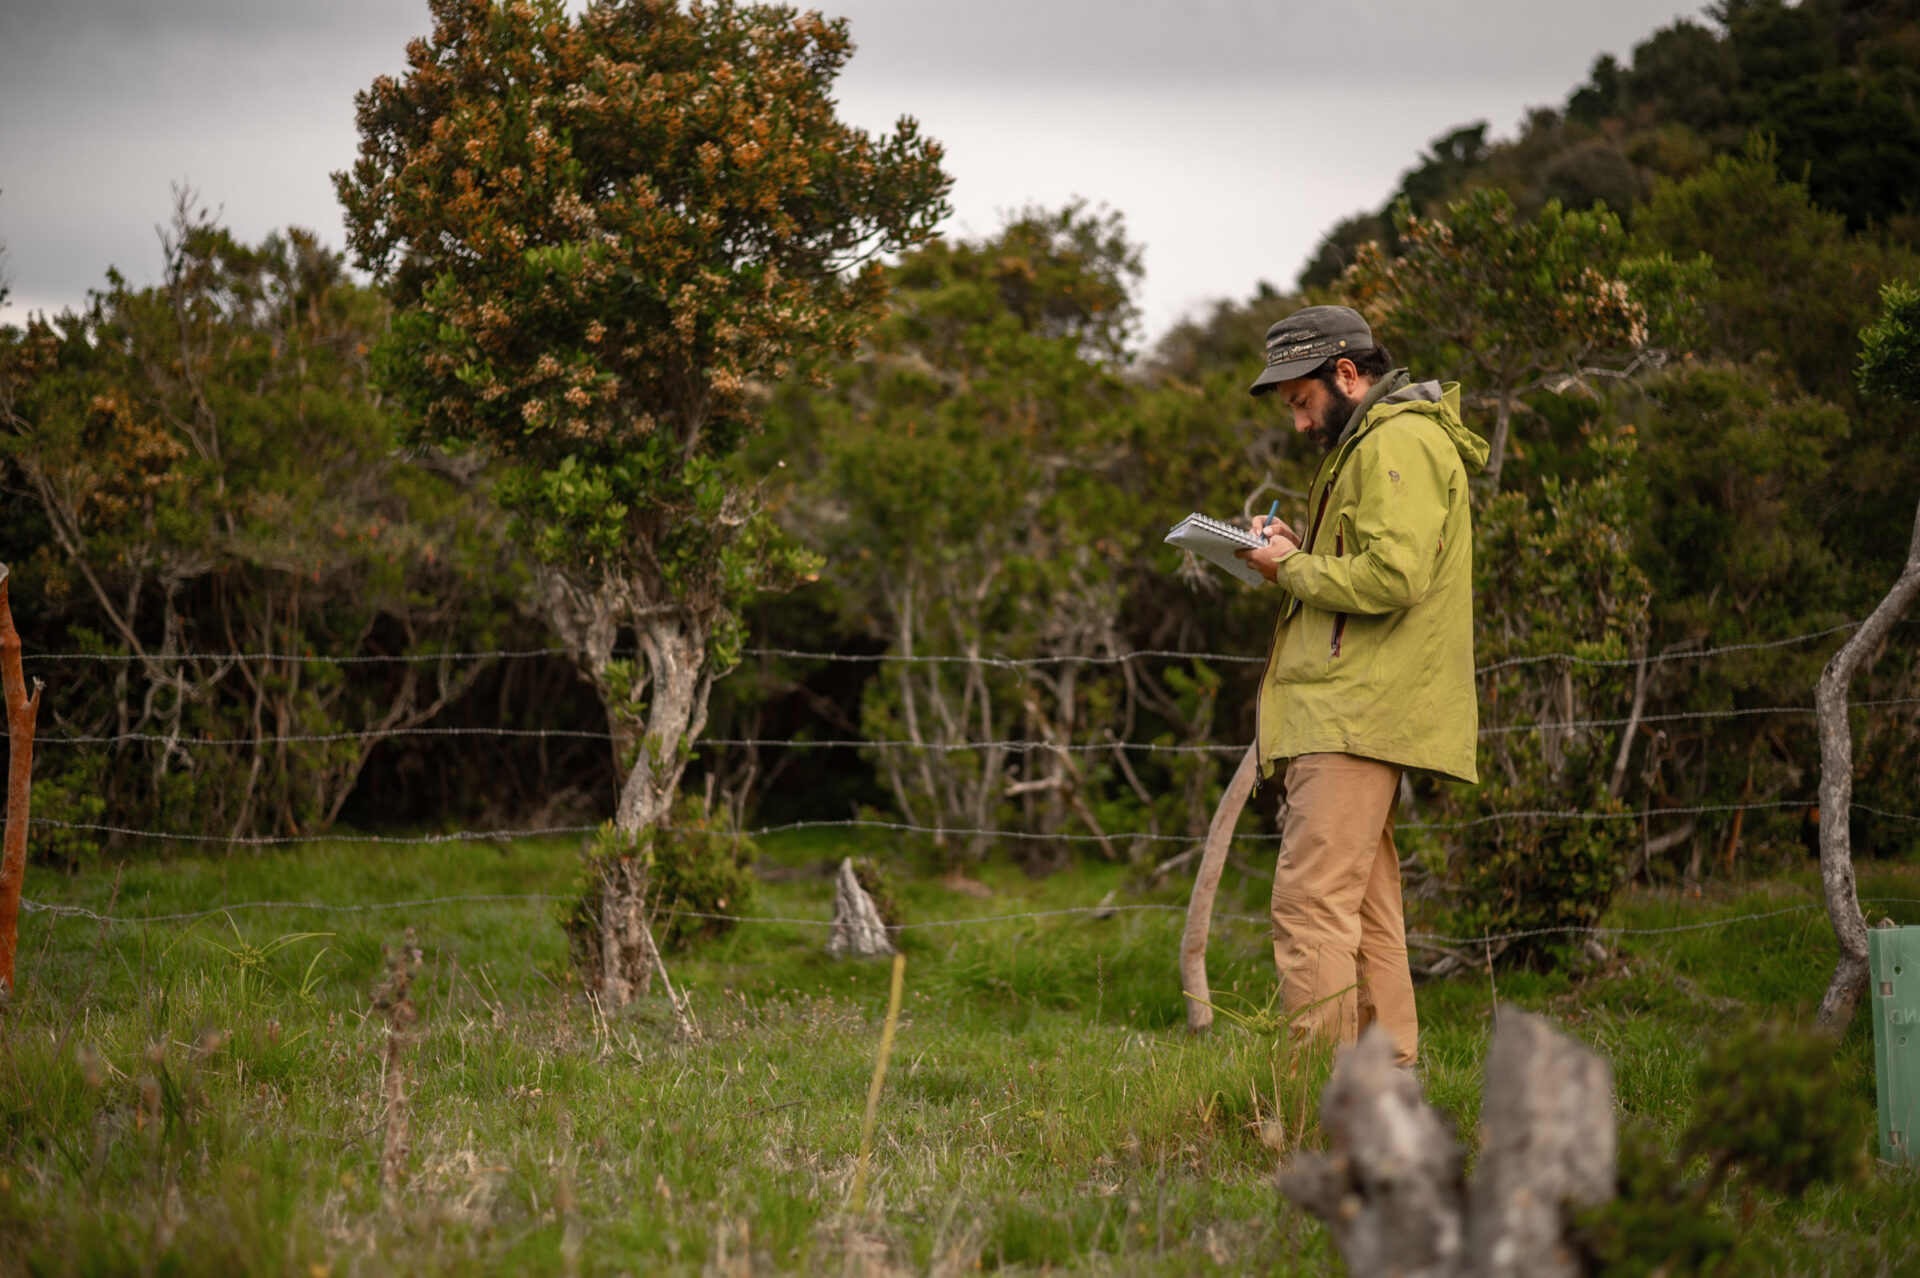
{"type": "Point", "coordinates": [285, 569]}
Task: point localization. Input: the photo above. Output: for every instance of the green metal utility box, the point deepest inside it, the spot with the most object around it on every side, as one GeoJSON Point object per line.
{"type": "Point", "coordinates": [1893, 963]}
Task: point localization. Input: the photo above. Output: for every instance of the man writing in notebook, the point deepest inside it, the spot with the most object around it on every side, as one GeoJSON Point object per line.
{"type": "Point", "coordinates": [1371, 670]}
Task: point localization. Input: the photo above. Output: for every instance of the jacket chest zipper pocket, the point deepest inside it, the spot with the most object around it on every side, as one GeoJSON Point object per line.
{"type": "Point", "coordinates": [1339, 618]}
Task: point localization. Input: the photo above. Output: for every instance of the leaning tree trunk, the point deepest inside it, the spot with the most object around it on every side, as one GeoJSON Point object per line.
{"type": "Point", "coordinates": [656, 753]}
{"type": "Point", "coordinates": [652, 716]}
{"type": "Point", "coordinates": [1836, 794]}
{"type": "Point", "coordinates": [678, 681]}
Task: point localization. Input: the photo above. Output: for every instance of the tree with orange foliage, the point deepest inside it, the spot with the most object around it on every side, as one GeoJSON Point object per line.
{"type": "Point", "coordinates": [604, 234]}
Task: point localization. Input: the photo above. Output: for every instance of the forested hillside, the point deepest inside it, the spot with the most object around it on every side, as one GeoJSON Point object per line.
{"type": "Point", "coordinates": [1830, 83]}
{"type": "Point", "coordinates": [1652, 296]}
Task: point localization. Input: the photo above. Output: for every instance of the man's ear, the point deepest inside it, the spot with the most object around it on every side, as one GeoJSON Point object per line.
{"type": "Point", "coordinates": [1348, 376]}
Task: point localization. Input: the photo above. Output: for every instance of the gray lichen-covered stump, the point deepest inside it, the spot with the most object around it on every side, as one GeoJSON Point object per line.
{"type": "Point", "coordinates": [1390, 1186]}
{"type": "Point", "coordinates": [1547, 1141]}
{"type": "Point", "coordinates": [857, 927]}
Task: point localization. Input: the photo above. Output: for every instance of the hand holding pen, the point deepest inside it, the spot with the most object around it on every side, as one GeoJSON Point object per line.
{"type": "Point", "coordinates": [1270, 525]}
{"type": "Point", "coordinates": [1277, 542]}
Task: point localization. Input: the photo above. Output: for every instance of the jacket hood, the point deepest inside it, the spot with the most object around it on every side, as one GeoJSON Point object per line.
{"type": "Point", "coordinates": [1441, 402]}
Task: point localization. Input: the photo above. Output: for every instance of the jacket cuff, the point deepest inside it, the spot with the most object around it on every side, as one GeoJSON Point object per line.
{"type": "Point", "coordinates": [1282, 573]}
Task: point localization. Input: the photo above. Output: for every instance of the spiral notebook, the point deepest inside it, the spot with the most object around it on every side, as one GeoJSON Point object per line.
{"type": "Point", "coordinates": [1215, 542]}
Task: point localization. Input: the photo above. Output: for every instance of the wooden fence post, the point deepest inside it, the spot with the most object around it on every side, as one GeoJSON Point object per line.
{"type": "Point", "coordinates": [1193, 942]}
{"type": "Point", "coordinates": [22, 712]}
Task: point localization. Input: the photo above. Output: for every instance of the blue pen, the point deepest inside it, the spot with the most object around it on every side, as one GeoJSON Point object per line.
{"type": "Point", "coordinates": [1273, 513]}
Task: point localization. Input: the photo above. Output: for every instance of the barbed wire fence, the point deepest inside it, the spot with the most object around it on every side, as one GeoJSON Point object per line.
{"type": "Point", "coordinates": [943, 747]}
{"type": "Point", "coordinates": [175, 739]}
{"type": "Point", "coordinates": [1101, 911]}
{"type": "Point", "coordinates": [910, 827]}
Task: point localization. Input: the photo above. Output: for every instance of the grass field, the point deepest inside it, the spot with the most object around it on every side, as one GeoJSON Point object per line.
{"type": "Point", "coordinates": [207, 1097]}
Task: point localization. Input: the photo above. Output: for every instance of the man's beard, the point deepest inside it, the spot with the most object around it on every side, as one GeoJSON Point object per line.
{"type": "Point", "coordinates": [1339, 413]}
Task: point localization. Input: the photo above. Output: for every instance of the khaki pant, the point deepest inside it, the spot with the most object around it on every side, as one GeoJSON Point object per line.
{"type": "Point", "coordinates": [1339, 934]}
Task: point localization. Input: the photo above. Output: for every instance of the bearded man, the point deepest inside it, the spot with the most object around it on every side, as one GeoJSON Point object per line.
{"type": "Point", "coordinates": [1371, 669]}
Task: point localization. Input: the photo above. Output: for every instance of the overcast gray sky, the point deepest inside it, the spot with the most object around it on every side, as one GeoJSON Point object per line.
{"type": "Point", "coordinates": [1230, 133]}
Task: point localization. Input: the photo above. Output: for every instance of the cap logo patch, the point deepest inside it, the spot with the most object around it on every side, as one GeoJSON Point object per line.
{"type": "Point", "coordinates": [1296, 347]}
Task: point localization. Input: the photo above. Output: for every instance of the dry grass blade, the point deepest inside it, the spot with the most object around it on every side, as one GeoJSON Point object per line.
{"type": "Point", "coordinates": [859, 1200]}
{"type": "Point", "coordinates": [392, 1000]}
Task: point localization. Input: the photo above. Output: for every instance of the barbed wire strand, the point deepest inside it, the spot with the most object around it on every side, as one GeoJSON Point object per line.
{"type": "Point", "coordinates": [276, 840]}
{"type": "Point", "coordinates": [1100, 911]}
{"type": "Point", "coordinates": [941, 747]}
{"type": "Point", "coordinates": [80, 912]}
{"type": "Point", "coordinates": [1680, 716]}
{"type": "Point", "coordinates": [908, 827]}
{"type": "Point", "coordinates": [301, 658]}
{"type": "Point", "coordinates": [311, 738]}
{"type": "Point", "coordinates": [1152, 837]}
{"type": "Point", "coordinates": [930, 659]}
{"type": "Point", "coordinates": [507, 654]}
{"type": "Point", "coordinates": [1660, 657]}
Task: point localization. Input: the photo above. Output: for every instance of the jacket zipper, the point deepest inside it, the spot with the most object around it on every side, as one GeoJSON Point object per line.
{"type": "Point", "coordinates": [1313, 528]}
{"type": "Point", "coordinates": [1313, 533]}
{"type": "Point", "coordinates": [1339, 618]}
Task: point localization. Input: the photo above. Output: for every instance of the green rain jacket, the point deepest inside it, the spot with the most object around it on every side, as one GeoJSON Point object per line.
{"type": "Point", "coordinates": [1373, 653]}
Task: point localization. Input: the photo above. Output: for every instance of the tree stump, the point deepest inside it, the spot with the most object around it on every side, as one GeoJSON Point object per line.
{"type": "Point", "coordinates": [1546, 1144]}
{"type": "Point", "coordinates": [1390, 1185]}
{"type": "Point", "coordinates": [857, 927]}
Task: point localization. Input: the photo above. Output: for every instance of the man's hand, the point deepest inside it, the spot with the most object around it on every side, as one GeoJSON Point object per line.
{"type": "Point", "coordinates": [1273, 529]}
{"type": "Point", "coordinates": [1281, 542]}
{"type": "Point", "coordinates": [1267, 558]}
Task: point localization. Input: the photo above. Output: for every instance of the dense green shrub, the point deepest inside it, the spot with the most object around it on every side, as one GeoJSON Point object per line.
{"type": "Point", "coordinates": [1560, 605]}
{"type": "Point", "coordinates": [697, 868]}
{"type": "Point", "coordinates": [200, 469]}
{"type": "Point", "coordinates": [1770, 1112]}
